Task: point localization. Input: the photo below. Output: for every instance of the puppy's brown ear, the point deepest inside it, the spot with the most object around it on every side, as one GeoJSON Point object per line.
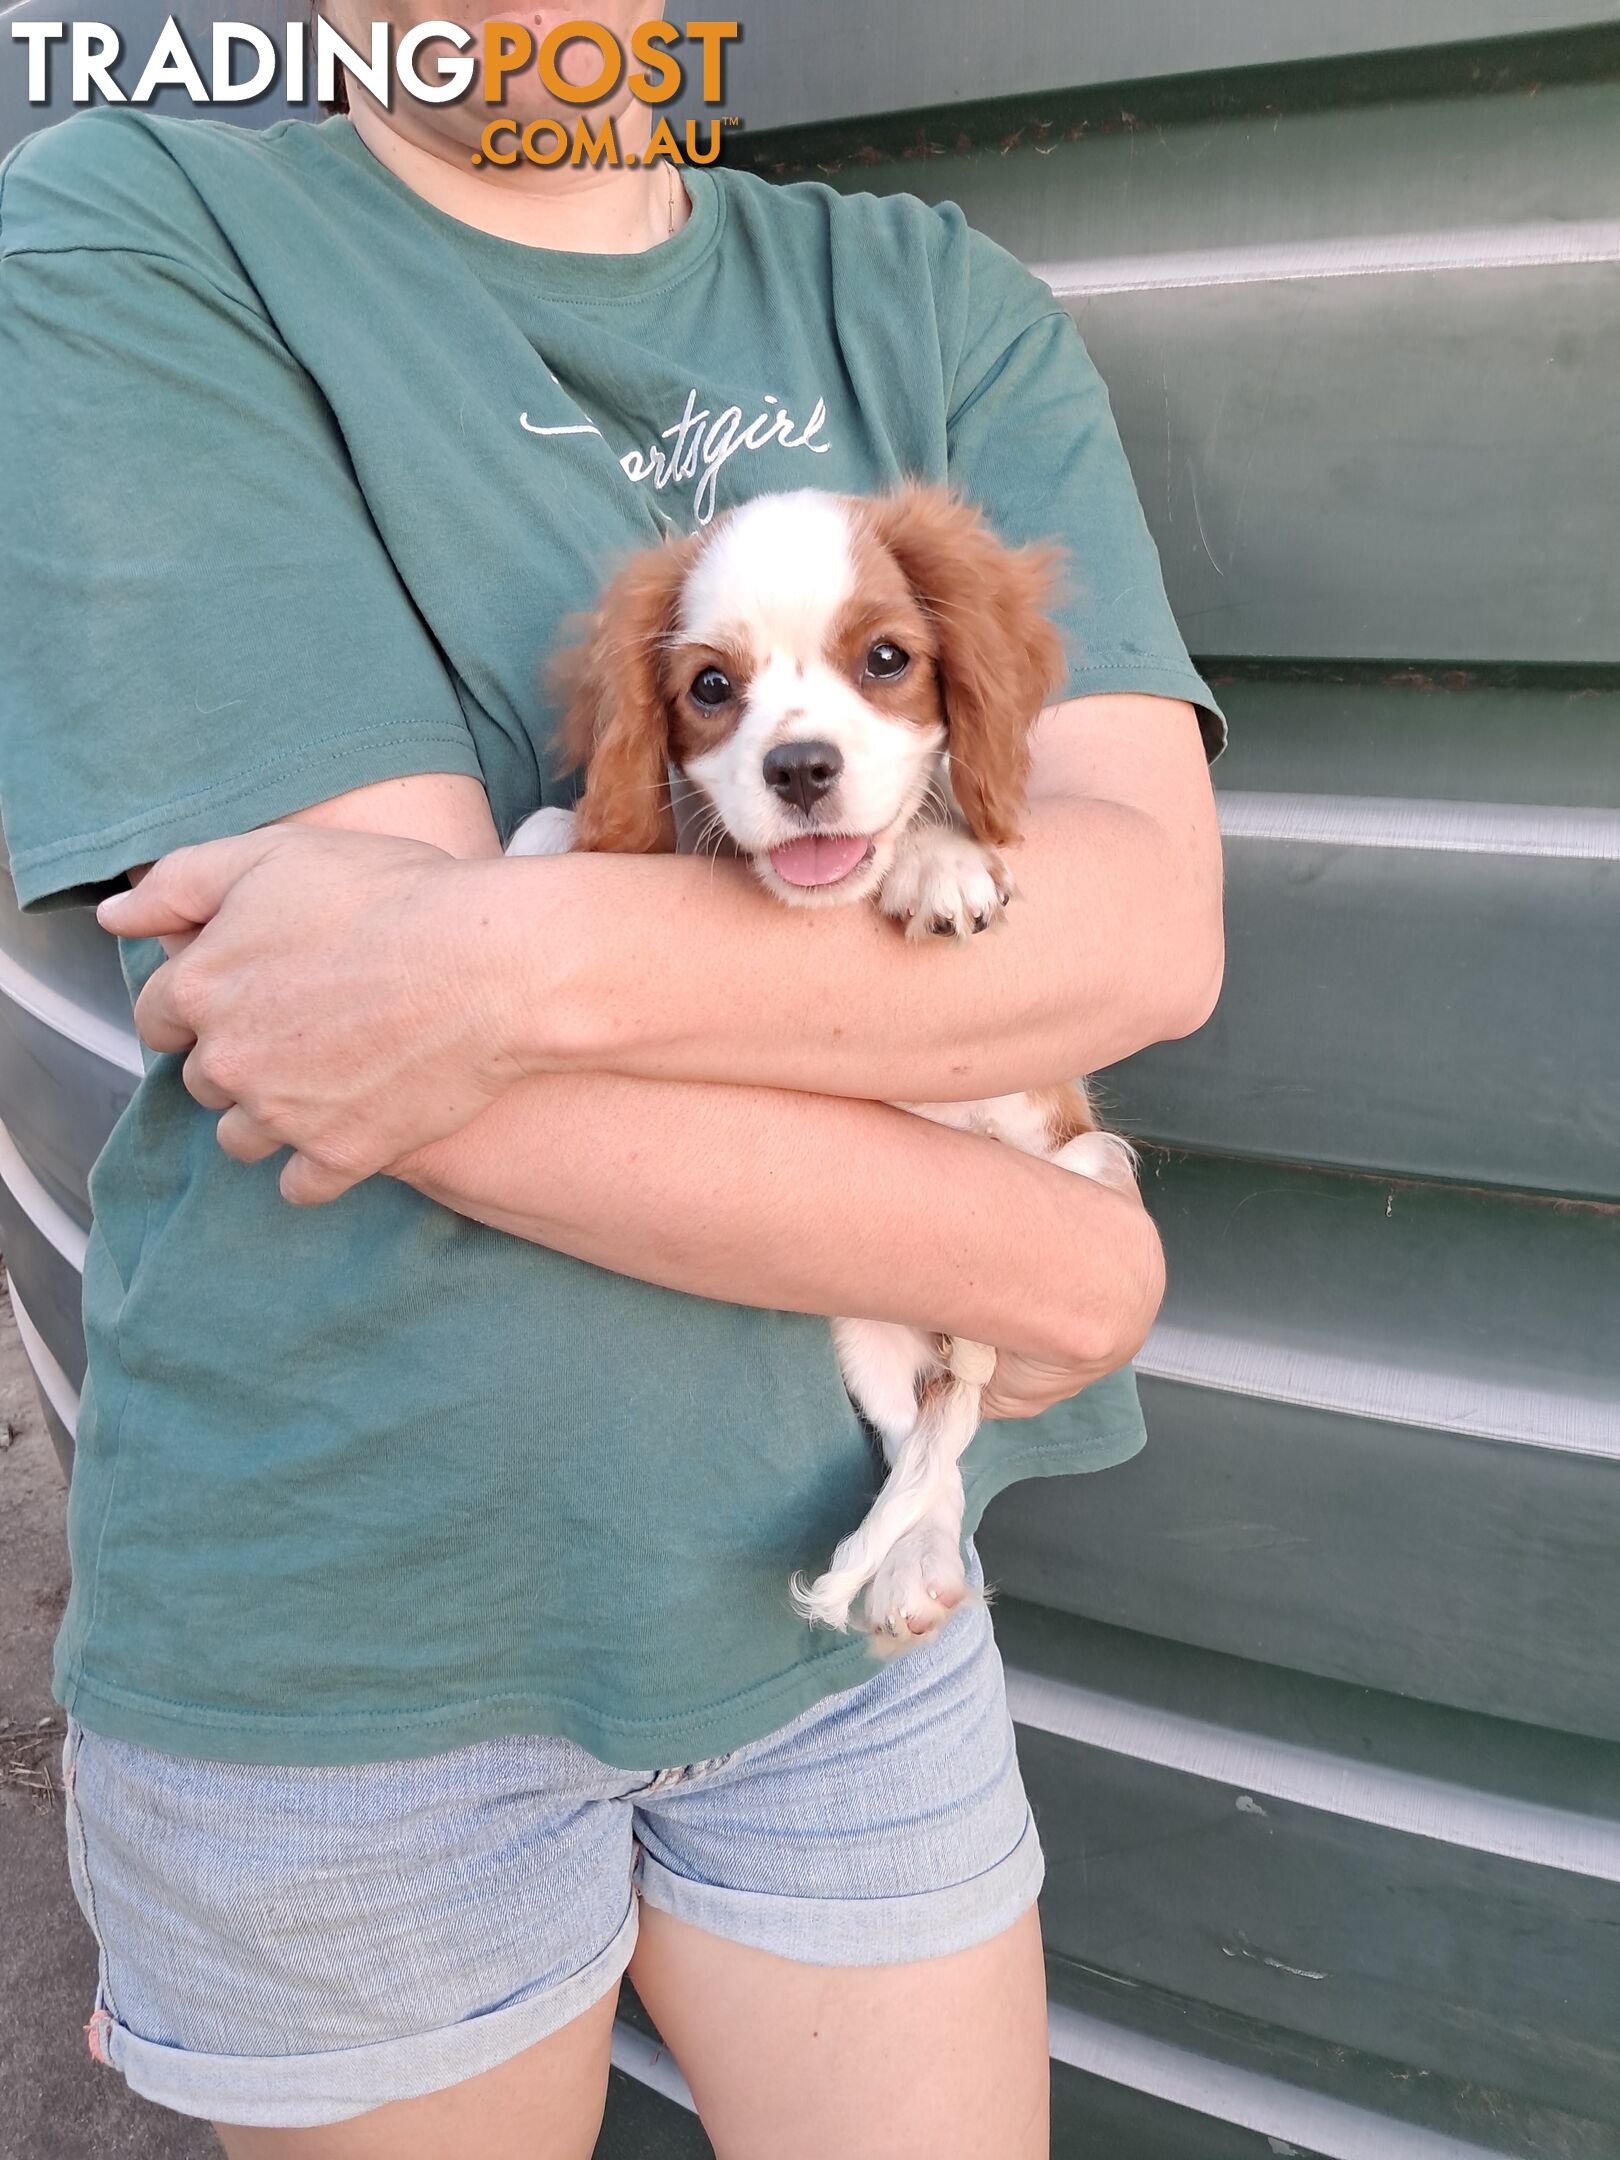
{"type": "Point", "coordinates": [615, 720]}
{"type": "Point", "coordinates": [1000, 656]}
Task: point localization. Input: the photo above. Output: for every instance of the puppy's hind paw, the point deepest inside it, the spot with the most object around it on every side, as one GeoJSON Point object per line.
{"type": "Point", "coordinates": [914, 1593]}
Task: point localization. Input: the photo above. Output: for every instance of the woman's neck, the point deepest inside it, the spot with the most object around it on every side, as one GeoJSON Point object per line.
{"type": "Point", "coordinates": [618, 209]}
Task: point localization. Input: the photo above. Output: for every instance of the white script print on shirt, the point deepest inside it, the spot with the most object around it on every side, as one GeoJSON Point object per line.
{"type": "Point", "coordinates": [698, 444]}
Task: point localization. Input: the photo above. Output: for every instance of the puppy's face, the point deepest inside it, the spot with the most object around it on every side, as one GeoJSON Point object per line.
{"type": "Point", "coordinates": [820, 668]}
{"type": "Point", "coordinates": [804, 695]}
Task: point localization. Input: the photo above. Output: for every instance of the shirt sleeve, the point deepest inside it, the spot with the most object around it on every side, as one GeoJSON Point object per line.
{"type": "Point", "coordinates": [1031, 439]}
{"type": "Point", "coordinates": [204, 631]}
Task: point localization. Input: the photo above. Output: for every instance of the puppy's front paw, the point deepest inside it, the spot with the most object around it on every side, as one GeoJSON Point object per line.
{"type": "Point", "coordinates": [944, 883]}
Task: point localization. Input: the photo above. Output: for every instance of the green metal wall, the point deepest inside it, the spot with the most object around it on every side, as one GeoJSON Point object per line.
{"type": "Point", "coordinates": [1317, 1696]}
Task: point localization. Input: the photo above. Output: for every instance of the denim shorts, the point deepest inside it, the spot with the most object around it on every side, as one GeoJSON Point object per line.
{"type": "Point", "coordinates": [293, 1947]}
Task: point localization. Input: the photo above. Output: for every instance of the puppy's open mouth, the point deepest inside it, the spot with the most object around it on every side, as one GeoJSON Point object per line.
{"type": "Point", "coordinates": [821, 858]}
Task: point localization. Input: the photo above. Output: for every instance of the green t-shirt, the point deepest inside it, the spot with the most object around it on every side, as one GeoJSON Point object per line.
{"type": "Point", "coordinates": [301, 476]}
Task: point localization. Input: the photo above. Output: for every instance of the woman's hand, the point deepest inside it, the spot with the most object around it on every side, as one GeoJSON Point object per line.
{"type": "Point", "coordinates": [1022, 1385]}
{"type": "Point", "coordinates": [317, 980]}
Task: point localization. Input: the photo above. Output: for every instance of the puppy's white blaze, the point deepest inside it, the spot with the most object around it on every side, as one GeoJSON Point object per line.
{"type": "Point", "coordinates": [886, 763]}
{"type": "Point", "coordinates": [781, 566]}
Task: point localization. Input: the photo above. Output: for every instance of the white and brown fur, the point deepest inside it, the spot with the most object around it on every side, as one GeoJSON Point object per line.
{"type": "Point", "coordinates": [791, 597]}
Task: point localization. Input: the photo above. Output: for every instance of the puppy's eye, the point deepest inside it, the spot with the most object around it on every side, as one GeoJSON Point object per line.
{"type": "Point", "coordinates": [712, 687]}
{"type": "Point", "coordinates": [885, 661]}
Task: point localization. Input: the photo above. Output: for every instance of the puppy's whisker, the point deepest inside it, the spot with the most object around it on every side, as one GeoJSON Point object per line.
{"type": "Point", "coordinates": [711, 835]}
{"type": "Point", "coordinates": [710, 838]}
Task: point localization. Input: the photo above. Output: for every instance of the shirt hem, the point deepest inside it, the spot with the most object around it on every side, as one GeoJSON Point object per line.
{"type": "Point", "coordinates": [1047, 1458]}
{"type": "Point", "coordinates": [647, 1744]}
{"type": "Point", "coordinates": [193, 1730]}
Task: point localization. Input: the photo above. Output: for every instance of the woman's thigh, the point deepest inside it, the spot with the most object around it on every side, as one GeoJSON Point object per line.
{"type": "Point", "coordinates": [838, 1935]}
{"type": "Point", "coordinates": [877, 2062]}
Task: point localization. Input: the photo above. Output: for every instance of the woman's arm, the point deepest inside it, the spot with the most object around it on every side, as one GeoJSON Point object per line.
{"type": "Point", "coordinates": [804, 1203]}
{"type": "Point", "coordinates": [760, 1197]}
{"type": "Point", "coordinates": [685, 969]}
{"type": "Point", "coordinates": [796, 1203]}
{"type": "Point", "coordinates": [370, 996]}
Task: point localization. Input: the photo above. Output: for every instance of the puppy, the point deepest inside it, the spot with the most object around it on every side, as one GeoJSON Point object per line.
{"type": "Point", "coordinates": [844, 689]}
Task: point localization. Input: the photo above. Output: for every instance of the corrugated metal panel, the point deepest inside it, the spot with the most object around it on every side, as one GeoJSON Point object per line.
{"type": "Point", "coordinates": [1322, 1866]}
{"type": "Point", "coordinates": [1383, 1445]}
{"type": "Point", "coordinates": [795, 67]}
{"type": "Point", "coordinates": [1318, 1694]}
{"type": "Point", "coordinates": [1327, 470]}
{"type": "Point", "coordinates": [1397, 910]}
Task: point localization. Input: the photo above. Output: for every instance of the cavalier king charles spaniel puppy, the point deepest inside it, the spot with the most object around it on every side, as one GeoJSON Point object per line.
{"type": "Point", "coordinates": [841, 691]}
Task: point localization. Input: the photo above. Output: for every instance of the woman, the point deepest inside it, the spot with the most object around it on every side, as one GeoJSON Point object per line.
{"type": "Point", "coordinates": [428, 1661]}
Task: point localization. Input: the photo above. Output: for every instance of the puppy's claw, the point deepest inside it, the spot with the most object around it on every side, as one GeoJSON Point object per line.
{"type": "Point", "coordinates": [920, 1584]}
{"type": "Point", "coordinates": [944, 883]}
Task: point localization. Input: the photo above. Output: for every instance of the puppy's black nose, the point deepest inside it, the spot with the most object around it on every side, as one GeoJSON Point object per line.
{"type": "Point", "coordinates": [802, 772]}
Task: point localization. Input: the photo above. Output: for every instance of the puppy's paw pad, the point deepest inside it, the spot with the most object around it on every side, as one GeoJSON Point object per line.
{"type": "Point", "coordinates": [944, 883]}
{"type": "Point", "coordinates": [916, 1590]}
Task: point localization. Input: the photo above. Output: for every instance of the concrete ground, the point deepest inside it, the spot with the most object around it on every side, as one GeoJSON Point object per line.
{"type": "Point", "coordinates": [55, 2103]}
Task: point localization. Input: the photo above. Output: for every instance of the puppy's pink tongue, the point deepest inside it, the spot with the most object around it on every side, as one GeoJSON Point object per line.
{"type": "Point", "coordinates": [818, 859]}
